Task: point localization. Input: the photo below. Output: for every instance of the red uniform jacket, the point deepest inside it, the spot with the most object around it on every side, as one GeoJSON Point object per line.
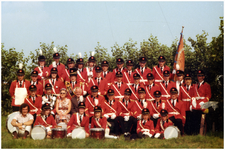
{"type": "Point", "coordinates": [128, 78]}
{"type": "Point", "coordinates": [89, 103]}
{"type": "Point", "coordinates": [86, 72]}
{"type": "Point", "coordinates": [163, 88]}
{"type": "Point", "coordinates": [108, 77]}
{"type": "Point", "coordinates": [45, 72]}
{"type": "Point", "coordinates": [148, 125]}
{"type": "Point", "coordinates": [102, 121]}
{"type": "Point", "coordinates": [125, 110]}
{"type": "Point", "coordinates": [178, 111]}
{"type": "Point", "coordinates": [39, 86]}
{"type": "Point", "coordinates": [37, 104]}
{"type": "Point", "coordinates": [144, 75]}
{"type": "Point", "coordinates": [60, 68]}
{"type": "Point", "coordinates": [150, 93]}
{"type": "Point", "coordinates": [102, 86]}
{"type": "Point", "coordinates": [57, 85]}
{"type": "Point", "coordinates": [158, 74]}
{"type": "Point", "coordinates": [13, 87]}
{"type": "Point", "coordinates": [160, 127]}
{"type": "Point", "coordinates": [72, 124]}
{"type": "Point", "coordinates": [137, 107]}
{"type": "Point", "coordinates": [118, 91]}
{"type": "Point", "coordinates": [82, 76]}
{"type": "Point", "coordinates": [156, 109]}
{"type": "Point", "coordinates": [66, 75]}
{"type": "Point", "coordinates": [115, 71]}
{"type": "Point", "coordinates": [50, 121]}
{"type": "Point", "coordinates": [111, 109]}
{"type": "Point", "coordinates": [134, 94]}
{"type": "Point", "coordinates": [203, 94]}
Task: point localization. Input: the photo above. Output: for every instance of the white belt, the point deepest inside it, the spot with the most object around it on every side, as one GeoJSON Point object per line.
{"type": "Point", "coordinates": [186, 100]}
{"type": "Point", "coordinates": [174, 113]}
{"type": "Point", "coordinates": [165, 95]}
{"type": "Point", "coordinates": [119, 96]}
{"type": "Point", "coordinates": [158, 80]}
{"type": "Point", "coordinates": [150, 99]}
{"type": "Point", "coordinates": [91, 112]}
{"type": "Point", "coordinates": [200, 98]}
{"type": "Point", "coordinates": [126, 114]}
{"type": "Point", "coordinates": [129, 83]}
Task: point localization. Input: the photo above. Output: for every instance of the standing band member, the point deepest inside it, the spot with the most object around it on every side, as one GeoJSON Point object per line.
{"type": "Point", "coordinates": [34, 81]}
{"type": "Point", "coordinates": [143, 70]}
{"type": "Point", "coordinates": [70, 64]}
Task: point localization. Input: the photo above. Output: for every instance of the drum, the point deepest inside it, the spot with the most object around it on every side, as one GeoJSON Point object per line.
{"type": "Point", "coordinates": [78, 133]}
{"type": "Point", "coordinates": [171, 132]}
{"type": "Point", "coordinates": [39, 132]}
{"type": "Point", "coordinates": [58, 133]}
{"type": "Point", "coordinates": [9, 120]}
{"type": "Point", "coordinates": [97, 133]}
{"type": "Point", "coordinates": [63, 125]}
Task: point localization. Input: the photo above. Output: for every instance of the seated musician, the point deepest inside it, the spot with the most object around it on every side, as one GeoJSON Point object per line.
{"type": "Point", "coordinates": [145, 126]}
{"type": "Point", "coordinates": [162, 124]}
{"type": "Point", "coordinates": [78, 119]}
{"type": "Point", "coordinates": [46, 119]}
{"type": "Point", "coordinates": [97, 120]}
{"type": "Point", "coordinates": [22, 121]}
{"type": "Point", "coordinates": [76, 100]}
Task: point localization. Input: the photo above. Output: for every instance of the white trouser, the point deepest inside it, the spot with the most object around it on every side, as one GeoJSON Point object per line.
{"type": "Point", "coordinates": [25, 128]}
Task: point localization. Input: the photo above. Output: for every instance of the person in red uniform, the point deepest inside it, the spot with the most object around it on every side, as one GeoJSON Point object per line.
{"type": "Point", "coordinates": [70, 64]}
{"type": "Point", "coordinates": [151, 87]}
{"type": "Point", "coordinates": [143, 70]}
{"type": "Point", "coordinates": [156, 106]}
{"type": "Point", "coordinates": [34, 81]}
{"type": "Point", "coordinates": [166, 85]}
{"type": "Point", "coordinates": [90, 69]}
{"type": "Point", "coordinates": [93, 100]}
{"type": "Point", "coordinates": [43, 71]}
{"type": "Point", "coordinates": [135, 86]}
{"type": "Point", "coordinates": [60, 67]}
{"type": "Point", "coordinates": [176, 110]}
{"type": "Point", "coordinates": [158, 70]}
{"type": "Point", "coordinates": [97, 121]}
{"type": "Point", "coordinates": [162, 124]}
{"type": "Point", "coordinates": [18, 90]}
{"type": "Point", "coordinates": [180, 80]}
{"type": "Point", "coordinates": [99, 81]}
{"type": "Point", "coordinates": [106, 74]}
{"type": "Point", "coordinates": [118, 86]}
{"type": "Point", "coordinates": [34, 101]}
{"type": "Point", "coordinates": [145, 126]}
{"type": "Point", "coordinates": [128, 75]}
{"type": "Point", "coordinates": [203, 94]}
{"type": "Point", "coordinates": [78, 119]}
{"type": "Point", "coordinates": [81, 72]}
{"type": "Point", "coordinates": [125, 109]}
{"type": "Point", "coordinates": [46, 119]}
{"type": "Point", "coordinates": [55, 81]}
{"type": "Point", "coordinates": [119, 64]}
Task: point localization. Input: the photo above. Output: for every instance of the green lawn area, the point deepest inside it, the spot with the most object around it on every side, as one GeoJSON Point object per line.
{"type": "Point", "coordinates": [209, 141]}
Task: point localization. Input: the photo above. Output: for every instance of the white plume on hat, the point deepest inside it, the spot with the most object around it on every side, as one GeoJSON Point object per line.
{"type": "Point", "coordinates": [93, 53]}
{"type": "Point", "coordinates": [177, 66]}
{"type": "Point", "coordinates": [55, 49]}
{"type": "Point", "coordinates": [80, 55]}
{"type": "Point", "coordinates": [40, 51]}
{"type": "Point", "coordinates": [54, 64]}
{"type": "Point", "coordinates": [20, 65]}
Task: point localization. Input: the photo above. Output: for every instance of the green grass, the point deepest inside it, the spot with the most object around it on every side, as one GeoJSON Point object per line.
{"type": "Point", "coordinates": [212, 140]}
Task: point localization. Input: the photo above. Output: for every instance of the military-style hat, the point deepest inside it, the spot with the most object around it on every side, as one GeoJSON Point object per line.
{"type": "Point", "coordinates": [150, 76]}
{"type": "Point", "coordinates": [80, 61]}
{"type": "Point", "coordinates": [48, 86]}
{"type": "Point", "coordinates": [163, 112]}
{"type": "Point", "coordinates": [119, 74]}
{"type": "Point", "coordinates": [145, 111]}
{"type": "Point", "coordinates": [73, 71]}
{"type": "Point", "coordinates": [81, 105]}
{"type": "Point", "coordinates": [110, 92]}
{"type": "Point", "coordinates": [41, 58]}
{"type": "Point", "coordinates": [129, 62]}
{"type": "Point", "coordinates": [136, 76]}
{"type": "Point", "coordinates": [56, 55]}
{"type": "Point", "coordinates": [142, 59]}
{"type": "Point", "coordinates": [119, 61]}
{"type": "Point", "coordinates": [166, 73]}
{"type": "Point", "coordinates": [32, 88]}
{"type": "Point", "coordinates": [157, 94]}
{"type": "Point", "coordinates": [173, 90]}
{"type": "Point", "coordinates": [70, 61]}
{"type": "Point", "coordinates": [94, 88]}
{"type": "Point", "coordinates": [187, 76]}
{"type": "Point", "coordinates": [127, 91]}
{"type": "Point", "coordinates": [20, 72]}
{"type": "Point", "coordinates": [200, 73]}
{"type": "Point", "coordinates": [141, 90]}
{"type": "Point", "coordinates": [98, 69]}
{"type": "Point", "coordinates": [105, 63]}
{"type": "Point", "coordinates": [97, 109]}
{"type": "Point", "coordinates": [45, 106]}
{"type": "Point", "coordinates": [34, 73]}
{"type": "Point", "coordinates": [161, 58]}
{"type": "Point", "coordinates": [54, 70]}
{"type": "Point", "coordinates": [91, 59]}
{"type": "Point", "coordinates": [179, 73]}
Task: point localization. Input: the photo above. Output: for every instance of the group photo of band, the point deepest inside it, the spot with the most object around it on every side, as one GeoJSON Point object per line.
{"type": "Point", "coordinates": [75, 100]}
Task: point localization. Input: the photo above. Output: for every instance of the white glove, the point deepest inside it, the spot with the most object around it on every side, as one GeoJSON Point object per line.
{"type": "Point", "coordinates": [99, 93]}
{"type": "Point", "coordinates": [107, 116]}
{"type": "Point", "coordinates": [155, 116]}
{"type": "Point", "coordinates": [40, 74]}
{"type": "Point", "coordinates": [126, 118]}
{"type": "Point", "coordinates": [194, 102]}
{"type": "Point", "coordinates": [48, 129]}
{"type": "Point", "coordinates": [52, 113]}
{"type": "Point", "coordinates": [191, 108]}
{"type": "Point", "coordinates": [147, 133]}
{"type": "Point", "coordinates": [84, 92]}
{"type": "Point", "coordinates": [157, 135]}
{"type": "Point", "coordinates": [139, 117]}
{"type": "Point", "coordinates": [201, 103]}
{"type": "Point", "coordinates": [113, 116]}
{"type": "Point", "coordinates": [174, 71]}
{"type": "Point", "coordinates": [54, 98]}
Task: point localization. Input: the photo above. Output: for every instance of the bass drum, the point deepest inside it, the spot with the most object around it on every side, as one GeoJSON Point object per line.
{"type": "Point", "coordinates": [78, 133]}
{"type": "Point", "coordinates": [58, 133]}
{"type": "Point", "coordinates": [39, 132]}
{"type": "Point", "coordinates": [9, 120]}
{"type": "Point", "coordinates": [171, 132]}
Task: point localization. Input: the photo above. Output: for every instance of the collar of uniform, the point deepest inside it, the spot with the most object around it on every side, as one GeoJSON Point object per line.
{"type": "Point", "coordinates": [159, 101]}
{"type": "Point", "coordinates": [125, 100]}
{"type": "Point", "coordinates": [201, 82]}
{"type": "Point", "coordinates": [95, 97]}
{"type": "Point", "coordinates": [21, 81]}
{"type": "Point", "coordinates": [141, 100]}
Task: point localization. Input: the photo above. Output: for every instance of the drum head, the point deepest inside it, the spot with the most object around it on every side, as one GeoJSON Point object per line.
{"type": "Point", "coordinates": [171, 132]}
{"type": "Point", "coordinates": [9, 120]}
{"type": "Point", "coordinates": [96, 129]}
{"type": "Point", "coordinates": [63, 125]}
{"type": "Point", "coordinates": [78, 133]}
{"type": "Point", "coordinates": [38, 133]}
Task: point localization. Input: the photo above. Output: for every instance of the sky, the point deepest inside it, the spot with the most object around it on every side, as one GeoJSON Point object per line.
{"type": "Point", "coordinates": [80, 25]}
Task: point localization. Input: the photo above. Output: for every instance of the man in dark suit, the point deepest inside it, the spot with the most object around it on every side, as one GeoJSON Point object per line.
{"type": "Point", "coordinates": [76, 100]}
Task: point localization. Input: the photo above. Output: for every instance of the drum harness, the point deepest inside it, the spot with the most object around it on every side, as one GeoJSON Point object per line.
{"type": "Point", "coordinates": [159, 75]}
{"type": "Point", "coordinates": [142, 79]}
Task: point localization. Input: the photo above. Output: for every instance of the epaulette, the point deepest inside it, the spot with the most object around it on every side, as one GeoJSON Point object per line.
{"type": "Point", "coordinates": [40, 82]}
{"type": "Point", "coordinates": [86, 109]}
{"type": "Point", "coordinates": [169, 120]}
{"type": "Point", "coordinates": [38, 114]}
{"type": "Point", "coordinates": [39, 95]}
{"type": "Point", "coordinates": [132, 100]}
{"type": "Point", "coordinates": [14, 81]}
{"type": "Point", "coordinates": [27, 96]}
{"type": "Point", "coordinates": [156, 84]}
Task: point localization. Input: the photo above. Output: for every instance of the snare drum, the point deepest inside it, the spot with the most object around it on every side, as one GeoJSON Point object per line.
{"type": "Point", "coordinates": [78, 133]}
{"type": "Point", "coordinates": [97, 133]}
{"type": "Point", "coordinates": [171, 132]}
{"type": "Point", "coordinates": [10, 117]}
{"type": "Point", "coordinates": [63, 125]}
{"type": "Point", "coordinates": [39, 132]}
{"type": "Point", "coordinates": [58, 133]}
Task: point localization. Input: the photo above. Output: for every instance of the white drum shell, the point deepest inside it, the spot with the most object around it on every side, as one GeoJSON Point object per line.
{"type": "Point", "coordinates": [171, 132]}
{"type": "Point", "coordinates": [78, 133]}
{"type": "Point", "coordinates": [63, 125]}
{"type": "Point", "coordinates": [39, 132]}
